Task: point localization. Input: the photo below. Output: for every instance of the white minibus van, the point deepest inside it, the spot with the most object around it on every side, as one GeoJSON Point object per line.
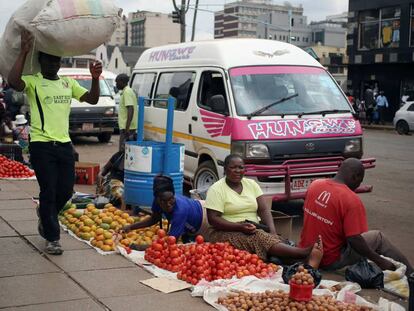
{"type": "Point", "coordinates": [268, 101]}
{"type": "Point", "coordinates": [91, 120]}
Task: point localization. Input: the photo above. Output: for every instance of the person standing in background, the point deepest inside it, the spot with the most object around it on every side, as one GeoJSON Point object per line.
{"type": "Point", "coordinates": [128, 110]}
{"type": "Point", "coordinates": [382, 105]}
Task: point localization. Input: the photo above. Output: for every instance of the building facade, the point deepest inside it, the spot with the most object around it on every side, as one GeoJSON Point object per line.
{"type": "Point", "coordinates": [381, 49]}
{"type": "Point", "coordinates": [239, 18]}
{"type": "Point", "coordinates": [149, 29]}
{"type": "Point", "coordinates": [120, 35]}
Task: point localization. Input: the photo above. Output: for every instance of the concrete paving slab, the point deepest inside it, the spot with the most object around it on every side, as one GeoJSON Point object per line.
{"type": "Point", "coordinates": [38, 288]}
{"type": "Point", "coordinates": [31, 187]}
{"type": "Point", "coordinates": [14, 245]}
{"type": "Point", "coordinates": [73, 305]}
{"type": "Point", "coordinates": [25, 227]}
{"type": "Point", "coordinates": [16, 204]}
{"type": "Point", "coordinates": [6, 230]}
{"type": "Point", "coordinates": [14, 195]}
{"type": "Point", "coordinates": [114, 282]}
{"type": "Point", "coordinates": [19, 214]}
{"type": "Point", "coordinates": [157, 301]}
{"type": "Point", "coordinates": [24, 264]}
{"type": "Point", "coordinates": [8, 186]}
{"type": "Point", "coordinates": [68, 243]}
{"type": "Point", "coordinates": [89, 259]}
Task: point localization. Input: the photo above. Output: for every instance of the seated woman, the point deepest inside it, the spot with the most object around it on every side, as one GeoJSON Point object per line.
{"type": "Point", "coordinates": [110, 181]}
{"type": "Point", "coordinates": [186, 216]}
{"type": "Point", "coordinates": [232, 201]}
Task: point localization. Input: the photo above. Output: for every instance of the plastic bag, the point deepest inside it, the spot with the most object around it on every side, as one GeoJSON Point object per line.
{"type": "Point", "coordinates": [288, 271]}
{"type": "Point", "coordinates": [366, 274]}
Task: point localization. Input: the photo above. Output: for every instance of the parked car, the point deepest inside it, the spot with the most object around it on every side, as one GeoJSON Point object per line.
{"type": "Point", "coordinates": [404, 119]}
{"type": "Point", "coordinates": [91, 120]}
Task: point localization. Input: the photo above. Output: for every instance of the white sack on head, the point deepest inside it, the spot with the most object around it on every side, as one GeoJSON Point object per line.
{"type": "Point", "coordinates": [60, 27]}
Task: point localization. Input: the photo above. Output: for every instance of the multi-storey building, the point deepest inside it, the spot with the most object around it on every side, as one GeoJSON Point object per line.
{"type": "Point", "coordinates": [151, 29]}
{"type": "Point", "coordinates": [240, 18]}
{"type": "Point", "coordinates": [381, 48]}
{"type": "Point", "coordinates": [120, 35]}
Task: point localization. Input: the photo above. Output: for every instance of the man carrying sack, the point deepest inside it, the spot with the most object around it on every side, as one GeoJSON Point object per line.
{"type": "Point", "coordinates": [50, 147]}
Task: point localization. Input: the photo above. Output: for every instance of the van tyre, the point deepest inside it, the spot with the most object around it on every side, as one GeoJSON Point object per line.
{"type": "Point", "coordinates": [104, 137]}
{"type": "Point", "coordinates": [402, 127]}
{"type": "Point", "coordinates": [205, 176]}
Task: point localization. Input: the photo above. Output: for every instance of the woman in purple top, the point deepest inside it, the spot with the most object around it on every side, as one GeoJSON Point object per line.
{"type": "Point", "coordinates": [185, 216]}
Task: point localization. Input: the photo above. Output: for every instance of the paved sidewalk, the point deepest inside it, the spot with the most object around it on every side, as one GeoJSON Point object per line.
{"type": "Point", "coordinates": [80, 279]}
{"type": "Point", "coordinates": [384, 127]}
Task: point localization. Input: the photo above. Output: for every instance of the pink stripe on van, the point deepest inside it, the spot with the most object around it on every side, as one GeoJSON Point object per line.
{"type": "Point", "coordinates": [265, 70]}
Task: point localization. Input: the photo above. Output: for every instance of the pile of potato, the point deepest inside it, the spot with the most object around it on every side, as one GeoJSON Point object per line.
{"type": "Point", "coordinates": [279, 300]}
{"type": "Point", "coordinates": [302, 277]}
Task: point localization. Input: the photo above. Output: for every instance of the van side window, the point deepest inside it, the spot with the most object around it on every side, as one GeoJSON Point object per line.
{"type": "Point", "coordinates": [143, 84]}
{"type": "Point", "coordinates": [411, 108]}
{"type": "Point", "coordinates": [211, 84]}
{"type": "Point", "coordinates": [177, 84]}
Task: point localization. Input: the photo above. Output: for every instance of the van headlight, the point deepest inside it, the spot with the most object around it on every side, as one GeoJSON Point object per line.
{"type": "Point", "coordinates": [109, 112]}
{"type": "Point", "coordinates": [258, 151]}
{"type": "Point", "coordinates": [353, 146]}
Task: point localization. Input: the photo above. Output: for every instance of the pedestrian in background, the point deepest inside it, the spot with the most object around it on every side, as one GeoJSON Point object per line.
{"type": "Point", "coordinates": [382, 105]}
{"type": "Point", "coordinates": [128, 111]}
{"type": "Point", "coordinates": [51, 151]}
{"type": "Point", "coordinates": [369, 104]}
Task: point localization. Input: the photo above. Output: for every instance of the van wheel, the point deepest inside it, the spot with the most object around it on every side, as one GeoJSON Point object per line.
{"type": "Point", "coordinates": [402, 127]}
{"type": "Point", "coordinates": [205, 176]}
{"type": "Point", "coordinates": [104, 137]}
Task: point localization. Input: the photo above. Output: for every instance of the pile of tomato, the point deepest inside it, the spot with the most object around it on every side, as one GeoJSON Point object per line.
{"type": "Point", "coordinates": [13, 169]}
{"type": "Point", "coordinates": [209, 261]}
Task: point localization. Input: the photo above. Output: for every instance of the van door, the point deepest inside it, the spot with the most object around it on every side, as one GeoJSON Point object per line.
{"type": "Point", "coordinates": [178, 84]}
{"type": "Point", "coordinates": [210, 127]}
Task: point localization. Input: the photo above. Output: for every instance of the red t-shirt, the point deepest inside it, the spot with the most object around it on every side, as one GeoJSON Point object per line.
{"type": "Point", "coordinates": [335, 212]}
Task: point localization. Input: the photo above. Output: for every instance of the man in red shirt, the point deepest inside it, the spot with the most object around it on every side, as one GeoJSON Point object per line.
{"type": "Point", "coordinates": [333, 210]}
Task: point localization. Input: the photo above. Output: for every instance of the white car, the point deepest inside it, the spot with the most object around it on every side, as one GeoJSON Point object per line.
{"type": "Point", "coordinates": [404, 119]}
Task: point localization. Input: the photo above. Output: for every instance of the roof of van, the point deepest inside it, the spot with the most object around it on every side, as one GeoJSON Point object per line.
{"type": "Point", "coordinates": [225, 53]}
{"type": "Point", "coordinates": [85, 71]}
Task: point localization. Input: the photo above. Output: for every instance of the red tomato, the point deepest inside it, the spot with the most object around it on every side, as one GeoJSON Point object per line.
{"type": "Point", "coordinates": [161, 233]}
{"type": "Point", "coordinates": [157, 247]}
{"type": "Point", "coordinates": [171, 240]}
{"type": "Point", "coordinates": [199, 239]}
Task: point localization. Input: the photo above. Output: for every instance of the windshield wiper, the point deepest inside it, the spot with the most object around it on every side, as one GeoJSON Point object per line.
{"type": "Point", "coordinates": [260, 110]}
{"type": "Point", "coordinates": [324, 112]}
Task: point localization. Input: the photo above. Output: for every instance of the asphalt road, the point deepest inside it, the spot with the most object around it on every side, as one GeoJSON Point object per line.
{"type": "Point", "coordinates": [390, 207]}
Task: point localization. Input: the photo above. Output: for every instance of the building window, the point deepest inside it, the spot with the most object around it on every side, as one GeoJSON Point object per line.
{"type": "Point", "coordinates": [116, 63]}
{"type": "Point", "coordinates": [101, 56]}
{"type": "Point", "coordinates": [379, 28]}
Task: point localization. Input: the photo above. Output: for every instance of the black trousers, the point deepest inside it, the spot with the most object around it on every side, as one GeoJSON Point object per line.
{"type": "Point", "coordinates": [54, 166]}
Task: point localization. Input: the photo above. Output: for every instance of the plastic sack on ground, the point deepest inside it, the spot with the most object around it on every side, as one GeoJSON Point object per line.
{"type": "Point", "coordinates": [60, 27]}
{"type": "Point", "coordinates": [366, 274]}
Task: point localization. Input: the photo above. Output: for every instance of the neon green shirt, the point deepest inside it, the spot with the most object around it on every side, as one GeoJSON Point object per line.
{"type": "Point", "coordinates": [128, 98]}
{"type": "Point", "coordinates": [233, 206]}
{"type": "Point", "coordinates": [55, 98]}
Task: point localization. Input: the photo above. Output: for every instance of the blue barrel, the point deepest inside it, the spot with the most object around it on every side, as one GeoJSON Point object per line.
{"type": "Point", "coordinates": [138, 187]}
{"type": "Point", "coordinates": [143, 161]}
{"type": "Point", "coordinates": [148, 157]}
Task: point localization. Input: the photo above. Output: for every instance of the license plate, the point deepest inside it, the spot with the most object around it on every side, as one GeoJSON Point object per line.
{"type": "Point", "coordinates": [87, 126]}
{"type": "Point", "coordinates": [301, 183]}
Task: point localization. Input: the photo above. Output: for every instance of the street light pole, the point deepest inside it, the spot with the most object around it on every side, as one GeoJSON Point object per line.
{"type": "Point", "coordinates": [194, 21]}
{"type": "Point", "coordinates": [182, 14]}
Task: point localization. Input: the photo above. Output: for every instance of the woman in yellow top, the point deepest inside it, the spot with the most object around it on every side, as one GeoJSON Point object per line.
{"type": "Point", "coordinates": [232, 201]}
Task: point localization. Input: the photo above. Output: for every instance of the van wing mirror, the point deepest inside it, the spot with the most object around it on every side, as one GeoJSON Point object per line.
{"type": "Point", "coordinates": [218, 104]}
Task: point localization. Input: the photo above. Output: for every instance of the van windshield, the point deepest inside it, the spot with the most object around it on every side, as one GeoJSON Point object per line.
{"type": "Point", "coordinates": [86, 81]}
{"type": "Point", "coordinates": [284, 90]}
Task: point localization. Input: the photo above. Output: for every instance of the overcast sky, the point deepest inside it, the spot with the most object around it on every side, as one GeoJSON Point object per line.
{"type": "Point", "coordinates": [314, 9]}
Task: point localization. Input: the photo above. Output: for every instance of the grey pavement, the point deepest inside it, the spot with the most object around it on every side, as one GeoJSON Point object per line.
{"type": "Point", "coordinates": [80, 279]}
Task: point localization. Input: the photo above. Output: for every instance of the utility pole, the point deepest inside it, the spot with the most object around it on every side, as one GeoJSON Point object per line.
{"type": "Point", "coordinates": [290, 25]}
{"type": "Point", "coordinates": [181, 12]}
{"type": "Point", "coordinates": [194, 20]}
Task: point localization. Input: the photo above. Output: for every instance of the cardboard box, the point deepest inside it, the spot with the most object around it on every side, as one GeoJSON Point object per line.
{"type": "Point", "coordinates": [283, 224]}
{"type": "Point", "coordinates": [86, 173]}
